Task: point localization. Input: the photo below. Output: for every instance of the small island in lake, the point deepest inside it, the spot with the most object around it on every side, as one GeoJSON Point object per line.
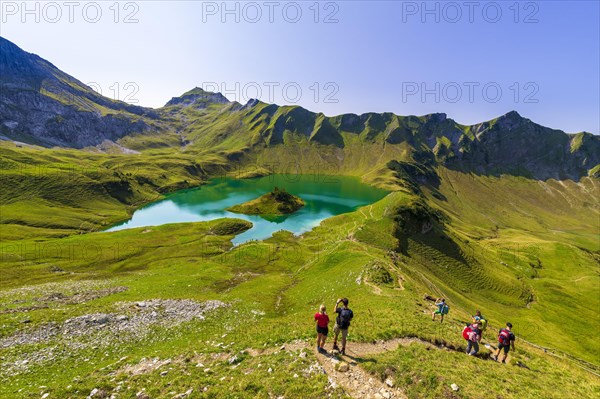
{"type": "Point", "coordinates": [277, 202]}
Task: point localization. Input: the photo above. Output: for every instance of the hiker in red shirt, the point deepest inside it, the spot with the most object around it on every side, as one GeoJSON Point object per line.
{"type": "Point", "coordinates": [322, 328]}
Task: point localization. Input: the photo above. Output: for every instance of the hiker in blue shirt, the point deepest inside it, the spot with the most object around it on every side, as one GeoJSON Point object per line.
{"type": "Point", "coordinates": [482, 321]}
{"type": "Point", "coordinates": [442, 309]}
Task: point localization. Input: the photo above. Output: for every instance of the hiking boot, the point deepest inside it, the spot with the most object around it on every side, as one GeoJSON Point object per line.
{"type": "Point", "coordinates": [343, 351]}
{"type": "Point", "coordinates": [335, 347]}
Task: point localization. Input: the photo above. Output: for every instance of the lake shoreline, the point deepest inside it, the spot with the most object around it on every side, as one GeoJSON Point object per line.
{"type": "Point", "coordinates": [325, 196]}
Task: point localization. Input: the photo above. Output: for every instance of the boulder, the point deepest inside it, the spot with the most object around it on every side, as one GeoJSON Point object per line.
{"type": "Point", "coordinates": [342, 367]}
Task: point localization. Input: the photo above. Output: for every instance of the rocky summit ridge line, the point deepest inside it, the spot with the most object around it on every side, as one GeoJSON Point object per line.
{"type": "Point", "coordinates": [42, 105]}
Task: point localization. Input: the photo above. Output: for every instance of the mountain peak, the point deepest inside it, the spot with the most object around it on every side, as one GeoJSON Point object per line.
{"type": "Point", "coordinates": [198, 97]}
{"type": "Point", "coordinates": [512, 115]}
{"type": "Point", "coordinates": [197, 91]}
{"type": "Point", "coordinates": [20, 69]}
{"type": "Point", "coordinates": [436, 117]}
{"type": "Point", "coordinates": [510, 120]}
{"type": "Point", "coordinates": [253, 102]}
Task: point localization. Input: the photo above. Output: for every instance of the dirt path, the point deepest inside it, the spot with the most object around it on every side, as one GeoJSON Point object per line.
{"type": "Point", "coordinates": [356, 382]}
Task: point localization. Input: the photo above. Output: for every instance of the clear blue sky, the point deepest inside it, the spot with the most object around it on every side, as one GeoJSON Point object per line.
{"type": "Point", "coordinates": [378, 56]}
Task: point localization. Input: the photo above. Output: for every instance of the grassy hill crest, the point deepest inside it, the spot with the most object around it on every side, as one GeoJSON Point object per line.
{"type": "Point", "coordinates": [276, 202]}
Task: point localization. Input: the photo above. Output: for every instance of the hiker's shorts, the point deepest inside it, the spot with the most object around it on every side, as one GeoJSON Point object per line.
{"type": "Point", "coordinates": [338, 330]}
{"type": "Point", "coordinates": [323, 330]}
{"type": "Point", "coordinates": [506, 348]}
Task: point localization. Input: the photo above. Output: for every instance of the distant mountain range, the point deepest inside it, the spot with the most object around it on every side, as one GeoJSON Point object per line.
{"type": "Point", "coordinates": [42, 105]}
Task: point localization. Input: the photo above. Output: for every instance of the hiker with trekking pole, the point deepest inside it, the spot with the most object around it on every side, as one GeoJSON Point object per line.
{"type": "Point", "coordinates": [442, 309]}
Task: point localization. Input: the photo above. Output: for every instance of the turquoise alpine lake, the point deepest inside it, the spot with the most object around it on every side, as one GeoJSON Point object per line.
{"type": "Point", "coordinates": [324, 196]}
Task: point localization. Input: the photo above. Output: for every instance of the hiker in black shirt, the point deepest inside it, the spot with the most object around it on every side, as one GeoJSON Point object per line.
{"type": "Point", "coordinates": [342, 322]}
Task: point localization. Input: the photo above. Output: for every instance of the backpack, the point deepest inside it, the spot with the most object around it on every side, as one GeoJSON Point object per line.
{"type": "Point", "coordinates": [504, 337]}
{"type": "Point", "coordinates": [474, 336]}
{"type": "Point", "coordinates": [445, 309]}
{"type": "Point", "coordinates": [483, 323]}
{"type": "Point", "coordinates": [344, 318]}
{"type": "Point", "coordinates": [466, 333]}
{"type": "Point", "coordinates": [469, 334]}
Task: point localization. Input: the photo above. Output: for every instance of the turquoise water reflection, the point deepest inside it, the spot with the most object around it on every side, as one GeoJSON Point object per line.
{"type": "Point", "coordinates": [325, 196]}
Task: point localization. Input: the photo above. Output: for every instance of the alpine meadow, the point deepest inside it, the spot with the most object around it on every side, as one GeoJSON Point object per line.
{"type": "Point", "coordinates": [183, 251]}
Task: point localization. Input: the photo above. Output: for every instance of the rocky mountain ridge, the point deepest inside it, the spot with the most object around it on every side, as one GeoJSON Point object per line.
{"type": "Point", "coordinates": [43, 105]}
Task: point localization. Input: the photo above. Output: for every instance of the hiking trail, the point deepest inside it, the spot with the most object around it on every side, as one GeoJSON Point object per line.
{"type": "Point", "coordinates": [357, 382]}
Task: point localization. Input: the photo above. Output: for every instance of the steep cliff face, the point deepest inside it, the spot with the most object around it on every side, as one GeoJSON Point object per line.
{"type": "Point", "coordinates": [43, 105]}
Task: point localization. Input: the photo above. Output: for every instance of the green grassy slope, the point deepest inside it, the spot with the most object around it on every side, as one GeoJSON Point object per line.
{"type": "Point", "coordinates": [273, 287]}
{"type": "Point", "coordinates": [540, 239]}
{"type": "Point", "coordinates": [62, 191]}
{"type": "Point", "coordinates": [516, 248]}
{"type": "Point", "coordinates": [430, 373]}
